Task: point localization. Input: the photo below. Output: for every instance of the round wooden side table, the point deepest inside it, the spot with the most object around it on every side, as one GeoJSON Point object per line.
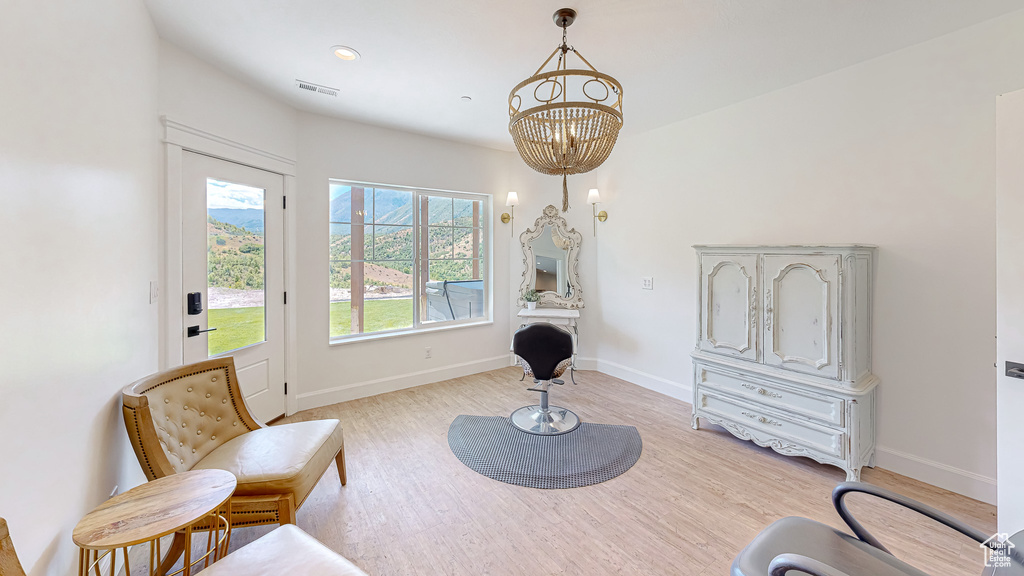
{"type": "Point", "coordinates": [198, 499]}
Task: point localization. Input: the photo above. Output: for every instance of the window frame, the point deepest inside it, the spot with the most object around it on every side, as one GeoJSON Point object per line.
{"type": "Point", "coordinates": [486, 256]}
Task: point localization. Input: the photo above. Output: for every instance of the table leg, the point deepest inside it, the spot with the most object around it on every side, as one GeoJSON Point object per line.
{"type": "Point", "coordinates": [89, 560]}
{"type": "Point", "coordinates": [211, 538]}
{"type": "Point", "coordinates": [227, 528]}
{"type": "Point", "coordinates": [186, 568]}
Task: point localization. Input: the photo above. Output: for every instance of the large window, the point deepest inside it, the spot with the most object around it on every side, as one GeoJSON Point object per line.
{"type": "Point", "coordinates": [404, 259]}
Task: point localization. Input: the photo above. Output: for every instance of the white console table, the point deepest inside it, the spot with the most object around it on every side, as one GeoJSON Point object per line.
{"type": "Point", "coordinates": [558, 316]}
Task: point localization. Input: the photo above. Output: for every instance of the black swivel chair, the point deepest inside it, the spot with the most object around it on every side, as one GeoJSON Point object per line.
{"type": "Point", "coordinates": [545, 351]}
{"type": "Point", "coordinates": [800, 546]}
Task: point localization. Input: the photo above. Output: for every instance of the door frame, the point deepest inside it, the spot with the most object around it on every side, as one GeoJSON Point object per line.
{"type": "Point", "coordinates": [178, 138]}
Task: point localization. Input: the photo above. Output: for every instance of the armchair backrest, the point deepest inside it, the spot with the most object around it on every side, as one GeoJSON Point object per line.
{"type": "Point", "coordinates": [9, 564]}
{"type": "Point", "coordinates": [176, 417]}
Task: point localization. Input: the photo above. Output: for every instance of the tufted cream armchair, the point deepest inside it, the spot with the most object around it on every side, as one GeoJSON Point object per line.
{"type": "Point", "coordinates": [9, 564]}
{"type": "Point", "coordinates": [194, 417]}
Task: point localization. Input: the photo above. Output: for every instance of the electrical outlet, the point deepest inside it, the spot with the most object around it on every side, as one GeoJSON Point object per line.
{"type": "Point", "coordinates": [114, 491]}
{"type": "Point", "coordinates": [647, 283]}
{"type": "Point", "coordinates": [154, 291]}
{"type": "Point", "coordinates": [426, 354]}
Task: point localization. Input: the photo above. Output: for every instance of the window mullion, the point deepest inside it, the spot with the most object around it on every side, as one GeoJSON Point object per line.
{"type": "Point", "coordinates": [415, 260]}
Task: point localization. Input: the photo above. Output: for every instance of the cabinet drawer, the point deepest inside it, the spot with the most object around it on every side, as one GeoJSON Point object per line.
{"type": "Point", "coordinates": [811, 436]}
{"type": "Point", "coordinates": [819, 406]}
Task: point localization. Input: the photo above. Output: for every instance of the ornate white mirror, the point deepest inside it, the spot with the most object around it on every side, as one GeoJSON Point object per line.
{"type": "Point", "coordinates": [550, 260]}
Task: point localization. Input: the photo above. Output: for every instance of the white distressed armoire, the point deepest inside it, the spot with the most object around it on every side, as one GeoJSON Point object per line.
{"type": "Point", "coordinates": [783, 354]}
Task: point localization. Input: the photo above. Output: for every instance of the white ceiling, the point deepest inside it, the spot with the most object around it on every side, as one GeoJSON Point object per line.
{"type": "Point", "coordinates": [674, 58]}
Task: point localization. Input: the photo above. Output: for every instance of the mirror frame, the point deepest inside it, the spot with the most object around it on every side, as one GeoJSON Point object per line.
{"type": "Point", "coordinates": [551, 299]}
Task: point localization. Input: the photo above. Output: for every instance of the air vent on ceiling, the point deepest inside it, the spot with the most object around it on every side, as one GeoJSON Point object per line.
{"type": "Point", "coordinates": [316, 88]}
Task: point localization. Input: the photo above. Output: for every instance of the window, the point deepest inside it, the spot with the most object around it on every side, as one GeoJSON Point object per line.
{"type": "Point", "coordinates": [235, 265]}
{"type": "Point", "coordinates": [404, 259]}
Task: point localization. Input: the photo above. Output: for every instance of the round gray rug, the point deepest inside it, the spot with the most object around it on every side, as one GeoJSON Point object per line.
{"type": "Point", "coordinates": [590, 454]}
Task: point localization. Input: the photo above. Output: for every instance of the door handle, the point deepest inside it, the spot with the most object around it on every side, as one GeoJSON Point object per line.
{"type": "Point", "coordinates": [195, 331]}
{"type": "Point", "coordinates": [1015, 370]}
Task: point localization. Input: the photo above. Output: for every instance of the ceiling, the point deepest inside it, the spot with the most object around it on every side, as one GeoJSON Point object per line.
{"type": "Point", "coordinates": [675, 58]}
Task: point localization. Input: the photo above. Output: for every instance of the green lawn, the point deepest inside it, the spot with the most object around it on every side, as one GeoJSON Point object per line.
{"type": "Point", "coordinates": [238, 327]}
{"type": "Point", "coordinates": [377, 315]}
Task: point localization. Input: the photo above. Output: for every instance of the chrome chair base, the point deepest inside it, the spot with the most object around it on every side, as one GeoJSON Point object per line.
{"type": "Point", "coordinates": [545, 421]}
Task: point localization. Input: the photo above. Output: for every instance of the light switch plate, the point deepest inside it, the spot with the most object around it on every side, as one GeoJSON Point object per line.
{"type": "Point", "coordinates": [154, 291]}
{"type": "Point", "coordinates": [647, 282]}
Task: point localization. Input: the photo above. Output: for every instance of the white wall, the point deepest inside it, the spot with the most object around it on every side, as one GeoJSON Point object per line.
{"type": "Point", "coordinates": [202, 96]}
{"type": "Point", "coordinates": [1010, 307]}
{"type": "Point", "coordinates": [333, 148]}
{"type": "Point", "coordinates": [78, 174]}
{"type": "Point", "coordinates": [898, 152]}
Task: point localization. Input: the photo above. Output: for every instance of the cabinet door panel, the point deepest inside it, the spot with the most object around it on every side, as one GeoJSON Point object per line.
{"type": "Point", "coordinates": [729, 296]}
{"type": "Point", "coordinates": [801, 313]}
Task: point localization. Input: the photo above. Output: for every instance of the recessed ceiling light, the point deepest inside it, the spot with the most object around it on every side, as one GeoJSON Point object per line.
{"type": "Point", "coordinates": [345, 53]}
{"type": "Point", "coordinates": [466, 98]}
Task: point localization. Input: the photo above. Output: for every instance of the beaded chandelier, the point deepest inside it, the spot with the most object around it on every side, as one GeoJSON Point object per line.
{"type": "Point", "coordinates": [565, 121]}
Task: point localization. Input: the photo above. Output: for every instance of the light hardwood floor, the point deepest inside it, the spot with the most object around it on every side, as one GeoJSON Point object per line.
{"type": "Point", "coordinates": [691, 502]}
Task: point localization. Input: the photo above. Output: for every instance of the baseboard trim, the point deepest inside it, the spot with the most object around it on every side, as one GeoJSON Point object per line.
{"type": "Point", "coordinates": [951, 478]}
{"type": "Point", "coordinates": [367, 388]}
{"type": "Point", "coordinates": [676, 390]}
{"type": "Point", "coordinates": [944, 476]}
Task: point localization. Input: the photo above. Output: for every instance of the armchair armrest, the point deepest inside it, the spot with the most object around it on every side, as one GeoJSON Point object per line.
{"type": "Point", "coordinates": [840, 492]}
{"type": "Point", "coordinates": [783, 563]}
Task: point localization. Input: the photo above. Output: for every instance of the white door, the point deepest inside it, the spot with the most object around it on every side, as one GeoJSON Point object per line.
{"type": "Point", "coordinates": [1010, 310]}
{"type": "Point", "coordinates": [233, 259]}
{"type": "Point", "coordinates": [728, 295]}
{"type": "Point", "coordinates": [801, 303]}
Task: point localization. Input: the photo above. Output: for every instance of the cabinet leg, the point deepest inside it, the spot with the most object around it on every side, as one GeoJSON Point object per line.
{"type": "Point", "coordinates": [695, 422]}
{"type": "Point", "coordinates": [853, 475]}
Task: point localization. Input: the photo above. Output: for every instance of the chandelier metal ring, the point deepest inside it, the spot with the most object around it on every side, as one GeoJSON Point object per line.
{"type": "Point", "coordinates": [554, 94]}
{"type": "Point", "coordinates": [607, 90]}
{"type": "Point", "coordinates": [594, 74]}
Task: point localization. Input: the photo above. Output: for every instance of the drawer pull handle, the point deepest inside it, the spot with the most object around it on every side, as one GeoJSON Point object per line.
{"type": "Point", "coordinates": [762, 391]}
{"type": "Point", "coordinates": [762, 419]}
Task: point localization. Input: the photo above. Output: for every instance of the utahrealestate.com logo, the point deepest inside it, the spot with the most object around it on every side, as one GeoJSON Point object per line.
{"type": "Point", "coordinates": [998, 550]}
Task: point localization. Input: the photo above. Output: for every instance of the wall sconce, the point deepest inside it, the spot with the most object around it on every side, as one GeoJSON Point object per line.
{"type": "Point", "coordinates": [512, 201]}
{"type": "Point", "coordinates": [593, 198]}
